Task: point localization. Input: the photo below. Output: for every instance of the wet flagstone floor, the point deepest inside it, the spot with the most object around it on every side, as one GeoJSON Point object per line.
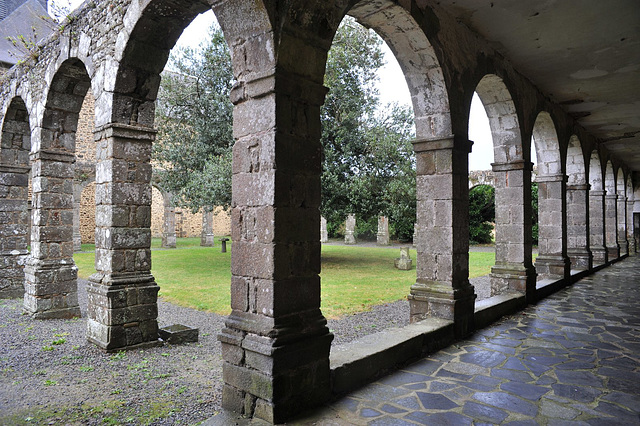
{"type": "Point", "coordinates": [571, 359]}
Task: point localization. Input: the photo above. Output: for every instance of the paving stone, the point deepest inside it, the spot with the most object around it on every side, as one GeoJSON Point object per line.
{"type": "Point", "coordinates": [434, 401]}
{"type": "Point", "coordinates": [484, 359]}
{"type": "Point", "coordinates": [377, 392]}
{"type": "Point", "coordinates": [523, 390]}
{"type": "Point", "coordinates": [466, 368]}
{"type": "Point", "coordinates": [576, 393]}
{"type": "Point", "coordinates": [448, 419]}
{"type": "Point", "coordinates": [484, 412]}
{"type": "Point", "coordinates": [502, 341]}
{"type": "Point", "coordinates": [391, 409]}
{"type": "Point", "coordinates": [438, 386]}
{"type": "Point", "coordinates": [617, 411]}
{"type": "Point", "coordinates": [520, 376]}
{"type": "Point", "coordinates": [416, 386]}
{"type": "Point", "coordinates": [458, 376]}
{"type": "Point", "coordinates": [402, 378]}
{"type": "Point", "coordinates": [369, 412]}
{"type": "Point", "coordinates": [409, 402]}
{"type": "Point", "coordinates": [554, 410]}
{"type": "Point", "coordinates": [389, 421]}
{"type": "Point", "coordinates": [624, 399]}
{"type": "Point", "coordinates": [583, 378]}
{"type": "Point", "coordinates": [515, 364]}
{"type": "Point", "coordinates": [546, 381]}
{"type": "Point", "coordinates": [426, 366]}
{"type": "Point", "coordinates": [508, 402]}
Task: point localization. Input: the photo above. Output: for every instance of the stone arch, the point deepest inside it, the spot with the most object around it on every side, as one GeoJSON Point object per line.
{"type": "Point", "coordinates": [611, 212]}
{"type": "Point", "coordinates": [597, 240]}
{"type": "Point", "coordinates": [513, 269]}
{"type": "Point", "coordinates": [15, 144]}
{"type": "Point", "coordinates": [621, 192]}
{"type": "Point", "coordinates": [552, 261]}
{"type": "Point", "coordinates": [53, 156]}
{"type": "Point", "coordinates": [577, 207]}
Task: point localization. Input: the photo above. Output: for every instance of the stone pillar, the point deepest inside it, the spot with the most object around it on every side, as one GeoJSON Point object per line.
{"type": "Point", "coordinates": [597, 227]}
{"type": "Point", "coordinates": [623, 243]}
{"type": "Point", "coordinates": [276, 343]}
{"type": "Point", "coordinates": [169, 223]}
{"type": "Point", "coordinates": [51, 287]}
{"type": "Point", "coordinates": [324, 234]}
{"type": "Point", "coordinates": [513, 270]}
{"type": "Point", "coordinates": [442, 288]}
{"type": "Point", "coordinates": [611, 226]}
{"type": "Point", "coordinates": [383, 231]}
{"type": "Point", "coordinates": [630, 237]}
{"type": "Point", "coordinates": [349, 230]}
{"type": "Point", "coordinates": [577, 227]}
{"type": "Point", "coordinates": [77, 196]}
{"type": "Point", "coordinates": [122, 310]}
{"type": "Point", "coordinates": [552, 261]}
{"type": "Point", "coordinates": [207, 239]}
{"type": "Point", "coordinates": [14, 229]}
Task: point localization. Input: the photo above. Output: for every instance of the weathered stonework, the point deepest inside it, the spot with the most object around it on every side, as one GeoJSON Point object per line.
{"type": "Point", "coordinates": [207, 238]}
{"type": "Point", "coordinates": [382, 237]}
{"type": "Point", "coordinates": [350, 229]}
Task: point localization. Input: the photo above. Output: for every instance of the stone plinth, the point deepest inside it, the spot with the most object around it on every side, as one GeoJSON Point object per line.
{"type": "Point", "coordinates": [207, 238]}
{"type": "Point", "coordinates": [178, 334]}
{"type": "Point", "coordinates": [383, 231]}
{"type": "Point", "coordinates": [349, 230]}
{"type": "Point", "coordinates": [510, 277]}
{"type": "Point", "coordinates": [404, 262]}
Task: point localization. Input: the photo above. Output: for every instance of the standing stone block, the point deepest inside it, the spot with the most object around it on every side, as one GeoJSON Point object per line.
{"type": "Point", "coordinates": [207, 239]}
{"type": "Point", "coordinates": [350, 228]}
{"type": "Point", "coordinates": [324, 234]}
{"type": "Point", "coordinates": [597, 237]}
{"type": "Point", "coordinates": [403, 262]}
{"type": "Point", "coordinates": [383, 231]}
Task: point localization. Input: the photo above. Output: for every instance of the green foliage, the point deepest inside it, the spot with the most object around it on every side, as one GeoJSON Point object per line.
{"type": "Point", "coordinates": [482, 214]}
{"type": "Point", "coordinates": [194, 119]}
{"type": "Point", "coordinates": [368, 166]}
{"type": "Point", "coordinates": [534, 212]}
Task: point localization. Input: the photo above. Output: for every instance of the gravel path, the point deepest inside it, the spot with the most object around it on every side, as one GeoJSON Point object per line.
{"type": "Point", "coordinates": [49, 374]}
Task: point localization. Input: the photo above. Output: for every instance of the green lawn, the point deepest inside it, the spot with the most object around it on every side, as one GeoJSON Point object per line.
{"type": "Point", "coordinates": [353, 278]}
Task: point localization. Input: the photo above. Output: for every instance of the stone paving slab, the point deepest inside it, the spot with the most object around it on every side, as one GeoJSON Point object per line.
{"type": "Point", "coordinates": [571, 359]}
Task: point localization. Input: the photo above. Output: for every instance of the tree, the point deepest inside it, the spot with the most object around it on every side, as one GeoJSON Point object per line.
{"type": "Point", "coordinates": [534, 212]}
{"type": "Point", "coordinates": [482, 214]}
{"type": "Point", "coordinates": [194, 119]}
{"type": "Point", "coordinates": [368, 166]}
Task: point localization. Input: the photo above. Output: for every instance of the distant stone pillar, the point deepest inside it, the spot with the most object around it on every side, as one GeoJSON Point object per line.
{"type": "Point", "coordinates": [207, 239]}
{"type": "Point", "coordinates": [442, 287]}
{"type": "Point", "coordinates": [513, 270]}
{"type": "Point", "coordinates": [611, 226]}
{"type": "Point", "coordinates": [122, 310]}
{"type": "Point", "coordinates": [169, 223]}
{"type": "Point", "coordinates": [630, 237]}
{"type": "Point", "coordinates": [383, 231]}
{"type": "Point", "coordinates": [349, 231]}
{"type": "Point", "coordinates": [324, 234]}
{"type": "Point", "coordinates": [51, 288]}
{"type": "Point", "coordinates": [14, 229]}
{"type": "Point", "coordinates": [578, 227]}
{"type": "Point", "coordinates": [77, 196]}
{"type": "Point", "coordinates": [597, 227]}
{"type": "Point", "coordinates": [552, 261]}
{"type": "Point", "coordinates": [623, 243]}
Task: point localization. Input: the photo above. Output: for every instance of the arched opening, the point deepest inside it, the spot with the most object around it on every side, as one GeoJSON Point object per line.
{"type": "Point", "coordinates": [633, 247]}
{"type": "Point", "coordinates": [596, 210]}
{"type": "Point", "coordinates": [577, 207]}
{"type": "Point", "coordinates": [15, 145]}
{"type": "Point", "coordinates": [52, 244]}
{"type": "Point", "coordinates": [513, 269]}
{"type": "Point", "coordinates": [552, 262]}
{"type": "Point", "coordinates": [611, 213]}
{"type": "Point", "coordinates": [621, 191]}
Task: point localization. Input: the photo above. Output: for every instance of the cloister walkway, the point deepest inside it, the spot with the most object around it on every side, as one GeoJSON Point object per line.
{"type": "Point", "coordinates": [573, 358]}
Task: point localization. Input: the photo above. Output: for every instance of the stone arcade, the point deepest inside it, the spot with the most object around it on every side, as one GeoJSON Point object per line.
{"type": "Point", "coordinates": [276, 344]}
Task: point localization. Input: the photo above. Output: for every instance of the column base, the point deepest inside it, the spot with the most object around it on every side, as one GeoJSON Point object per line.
{"type": "Point", "coordinates": [207, 240]}
{"type": "Point", "coordinates": [624, 247]}
{"type": "Point", "coordinates": [513, 277]}
{"type": "Point", "coordinates": [613, 252]}
{"type": "Point", "coordinates": [274, 379]}
{"type": "Point", "coordinates": [441, 300]}
{"type": "Point", "coordinates": [382, 239]}
{"type": "Point", "coordinates": [581, 258]}
{"type": "Point", "coordinates": [349, 238]}
{"type": "Point", "coordinates": [551, 266]}
{"type": "Point", "coordinates": [600, 255]}
{"type": "Point", "coordinates": [51, 289]}
{"type": "Point", "coordinates": [168, 241]}
{"type": "Point", "coordinates": [122, 312]}
{"type": "Point", "coordinates": [77, 243]}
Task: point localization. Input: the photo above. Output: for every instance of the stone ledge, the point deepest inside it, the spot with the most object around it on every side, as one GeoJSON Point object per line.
{"type": "Point", "coordinates": [547, 287]}
{"type": "Point", "coordinates": [489, 310]}
{"type": "Point", "coordinates": [356, 363]}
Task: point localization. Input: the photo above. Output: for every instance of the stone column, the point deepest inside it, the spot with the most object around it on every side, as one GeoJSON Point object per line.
{"type": "Point", "coordinates": [623, 243]}
{"type": "Point", "coordinates": [169, 223]}
{"type": "Point", "coordinates": [275, 343]}
{"type": "Point", "coordinates": [383, 231]}
{"type": "Point", "coordinates": [630, 237]}
{"type": "Point", "coordinates": [14, 229]}
{"type": "Point", "coordinates": [122, 310]}
{"type": "Point", "coordinates": [597, 227]}
{"type": "Point", "coordinates": [51, 287]}
{"type": "Point", "coordinates": [577, 227]}
{"type": "Point", "coordinates": [552, 261]}
{"type": "Point", "coordinates": [207, 239]}
{"type": "Point", "coordinates": [77, 196]}
{"type": "Point", "coordinates": [442, 287]}
{"type": "Point", "coordinates": [513, 270]}
{"type": "Point", "coordinates": [324, 234]}
{"type": "Point", "coordinates": [350, 229]}
{"type": "Point", "coordinates": [611, 226]}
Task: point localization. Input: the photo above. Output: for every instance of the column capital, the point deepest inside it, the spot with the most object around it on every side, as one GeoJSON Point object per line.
{"type": "Point", "coordinates": [579, 187]}
{"type": "Point", "coordinates": [552, 178]}
{"type": "Point", "coordinates": [451, 142]}
{"type": "Point", "coordinates": [49, 155]}
{"type": "Point", "coordinates": [8, 168]}
{"type": "Point", "coordinates": [512, 165]}
{"type": "Point", "coordinates": [125, 131]}
{"type": "Point", "coordinates": [611, 196]}
{"type": "Point", "coordinates": [597, 192]}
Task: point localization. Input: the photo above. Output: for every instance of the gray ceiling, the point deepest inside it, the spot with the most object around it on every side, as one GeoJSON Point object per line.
{"type": "Point", "coordinates": [583, 54]}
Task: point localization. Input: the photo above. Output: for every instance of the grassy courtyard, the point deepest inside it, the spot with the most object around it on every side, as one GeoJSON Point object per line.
{"type": "Point", "coordinates": [353, 278]}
